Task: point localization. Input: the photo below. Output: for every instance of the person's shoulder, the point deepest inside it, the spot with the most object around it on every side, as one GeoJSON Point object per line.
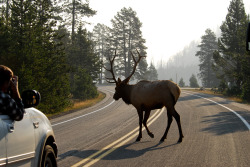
{"type": "Point", "coordinates": [4, 95]}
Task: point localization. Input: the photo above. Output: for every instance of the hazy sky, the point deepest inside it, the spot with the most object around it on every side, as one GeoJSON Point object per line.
{"type": "Point", "coordinates": [167, 25]}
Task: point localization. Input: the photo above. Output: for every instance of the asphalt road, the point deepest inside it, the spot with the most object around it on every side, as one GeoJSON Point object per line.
{"type": "Point", "coordinates": [216, 133]}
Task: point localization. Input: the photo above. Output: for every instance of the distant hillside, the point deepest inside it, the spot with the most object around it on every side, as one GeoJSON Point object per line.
{"type": "Point", "coordinates": [181, 65]}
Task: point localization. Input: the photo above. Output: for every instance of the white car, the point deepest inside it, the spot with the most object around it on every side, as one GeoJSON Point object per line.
{"type": "Point", "coordinates": [29, 142]}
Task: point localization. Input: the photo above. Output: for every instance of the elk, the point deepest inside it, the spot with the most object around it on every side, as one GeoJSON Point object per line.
{"type": "Point", "coordinates": [146, 96]}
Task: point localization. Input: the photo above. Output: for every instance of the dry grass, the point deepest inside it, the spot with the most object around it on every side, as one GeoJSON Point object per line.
{"type": "Point", "coordinates": [236, 99]}
{"type": "Point", "coordinates": [87, 103]}
{"type": "Point", "coordinates": [77, 105]}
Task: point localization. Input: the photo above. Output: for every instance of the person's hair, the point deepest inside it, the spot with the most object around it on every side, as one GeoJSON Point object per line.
{"type": "Point", "coordinates": [5, 74]}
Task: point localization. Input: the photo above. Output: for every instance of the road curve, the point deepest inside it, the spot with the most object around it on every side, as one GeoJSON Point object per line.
{"type": "Point", "coordinates": [104, 135]}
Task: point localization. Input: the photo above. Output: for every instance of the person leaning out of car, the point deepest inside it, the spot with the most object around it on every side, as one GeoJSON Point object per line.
{"type": "Point", "coordinates": [10, 100]}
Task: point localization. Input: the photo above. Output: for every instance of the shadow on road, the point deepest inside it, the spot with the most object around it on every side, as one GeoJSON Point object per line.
{"type": "Point", "coordinates": [223, 123]}
{"type": "Point", "coordinates": [124, 152]}
{"type": "Point", "coordinates": [212, 103]}
{"type": "Point", "coordinates": [193, 97]}
{"type": "Point", "coordinates": [71, 153]}
{"type": "Point", "coordinates": [188, 97]}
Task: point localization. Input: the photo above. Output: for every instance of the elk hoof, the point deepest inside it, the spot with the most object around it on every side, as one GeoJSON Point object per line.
{"type": "Point", "coordinates": [180, 140]}
{"type": "Point", "coordinates": [163, 139]}
{"type": "Point", "coordinates": [151, 135]}
{"type": "Point", "coordinates": [138, 139]}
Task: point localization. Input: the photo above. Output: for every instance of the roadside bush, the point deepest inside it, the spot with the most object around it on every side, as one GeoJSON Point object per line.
{"type": "Point", "coordinates": [234, 91]}
{"type": "Point", "coordinates": [82, 87]}
{"type": "Point", "coordinates": [246, 91]}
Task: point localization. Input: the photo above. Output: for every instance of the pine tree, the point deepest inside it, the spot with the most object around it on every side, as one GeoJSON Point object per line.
{"type": "Point", "coordinates": [207, 47]}
{"type": "Point", "coordinates": [246, 81]}
{"type": "Point", "coordinates": [83, 61]}
{"type": "Point", "coordinates": [193, 82]}
{"type": "Point", "coordinates": [181, 83]}
{"type": "Point", "coordinates": [74, 11]}
{"type": "Point", "coordinates": [231, 45]}
{"type": "Point", "coordinates": [152, 74]}
{"type": "Point", "coordinates": [64, 36]}
{"type": "Point", "coordinates": [5, 42]}
{"type": "Point", "coordinates": [127, 37]}
{"type": "Point", "coordinates": [82, 54]}
{"type": "Point", "coordinates": [83, 87]}
{"type": "Point", "coordinates": [37, 59]}
{"type": "Point", "coordinates": [100, 37]}
{"type": "Point", "coordinates": [5, 8]}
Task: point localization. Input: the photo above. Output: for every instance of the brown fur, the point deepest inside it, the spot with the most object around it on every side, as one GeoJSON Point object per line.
{"type": "Point", "coordinates": [152, 93]}
{"type": "Point", "coordinates": [146, 96]}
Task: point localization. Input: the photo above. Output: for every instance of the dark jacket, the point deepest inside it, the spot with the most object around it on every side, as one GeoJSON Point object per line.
{"type": "Point", "coordinates": [12, 107]}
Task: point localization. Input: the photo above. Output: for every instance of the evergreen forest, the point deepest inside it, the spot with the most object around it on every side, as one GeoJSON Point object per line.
{"type": "Point", "coordinates": [47, 46]}
{"type": "Point", "coordinates": [224, 61]}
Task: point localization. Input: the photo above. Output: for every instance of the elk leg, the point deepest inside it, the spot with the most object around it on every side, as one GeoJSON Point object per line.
{"type": "Point", "coordinates": [170, 119]}
{"type": "Point", "coordinates": [177, 118]}
{"type": "Point", "coordinates": [140, 114]}
{"type": "Point", "coordinates": [146, 116]}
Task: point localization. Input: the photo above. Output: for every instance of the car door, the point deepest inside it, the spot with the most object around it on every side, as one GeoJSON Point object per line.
{"type": "Point", "coordinates": [3, 132]}
{"type": "Point", "coordinates": [20, 141]}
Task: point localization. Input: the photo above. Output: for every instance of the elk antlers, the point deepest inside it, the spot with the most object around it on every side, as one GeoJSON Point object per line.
{"type": "Point", "coordinates": [112, 72]}
{"type": "Point", "coordinates": [136, 63]}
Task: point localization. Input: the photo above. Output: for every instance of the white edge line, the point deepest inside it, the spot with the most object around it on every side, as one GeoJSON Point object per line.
{"type": "Point", "coordinates": [72, 119]}
{"type": "Point", "coordinates": [238, 115]}
{"type": "Point", "coordinates": [83, 115]}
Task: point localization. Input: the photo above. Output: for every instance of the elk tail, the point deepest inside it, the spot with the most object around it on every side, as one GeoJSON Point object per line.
{"type": "Point", "coordinates": [175, 93]}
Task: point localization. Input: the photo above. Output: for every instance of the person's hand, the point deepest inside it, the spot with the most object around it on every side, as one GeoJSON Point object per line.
{"type": "Point", "coordinates": [14, 87]}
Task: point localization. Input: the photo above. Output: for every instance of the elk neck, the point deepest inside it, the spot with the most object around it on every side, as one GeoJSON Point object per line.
{"type": "Point", "coordinates": [126, 94]}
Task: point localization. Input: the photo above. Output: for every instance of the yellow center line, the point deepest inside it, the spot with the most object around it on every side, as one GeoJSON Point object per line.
{"type": "Point", "coordinates": [100, 152]}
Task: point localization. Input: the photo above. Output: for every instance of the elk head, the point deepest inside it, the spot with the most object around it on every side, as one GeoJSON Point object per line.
{"type": "Point", "coordinates": [120, 90]}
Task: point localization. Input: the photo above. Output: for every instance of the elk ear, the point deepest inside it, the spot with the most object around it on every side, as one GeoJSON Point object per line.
{"type": "Point", "coordinates": [119, 80]}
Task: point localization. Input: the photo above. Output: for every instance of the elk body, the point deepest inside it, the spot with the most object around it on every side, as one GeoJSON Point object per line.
{"type": "Point", "coordinates": [146, 96]}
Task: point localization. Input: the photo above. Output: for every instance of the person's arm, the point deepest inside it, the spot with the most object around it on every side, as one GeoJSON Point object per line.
{"type": "Point", "coordinates": [16, 109]}
{"type": "Point", "coordinates": [14, 88]}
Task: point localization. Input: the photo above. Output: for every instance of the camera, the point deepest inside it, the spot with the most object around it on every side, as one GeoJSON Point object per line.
{"type": "Point", "coordinates": [9, 89]}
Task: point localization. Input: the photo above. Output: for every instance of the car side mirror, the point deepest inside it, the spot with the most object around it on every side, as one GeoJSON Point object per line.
{"type": "Point", "coordinates": [30, 98]}
{"type": "Point", "coordinates": [248, 38]}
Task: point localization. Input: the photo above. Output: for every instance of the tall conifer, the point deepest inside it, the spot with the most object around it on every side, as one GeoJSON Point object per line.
{"type": "Point", "coordinates": [207, 47]}
{"type": "Point", "coordinates": [231, 45]}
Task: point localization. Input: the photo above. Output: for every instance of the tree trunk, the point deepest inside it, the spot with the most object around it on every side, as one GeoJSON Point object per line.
{"type": "Point", "coordinates": [7, 10]}
{"type": "Point", "coordinates": [73, 22]}
{"type": "Point", "coordinates": [129, 56]}
{"type": "Point", "coordinates": [124, 53]}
